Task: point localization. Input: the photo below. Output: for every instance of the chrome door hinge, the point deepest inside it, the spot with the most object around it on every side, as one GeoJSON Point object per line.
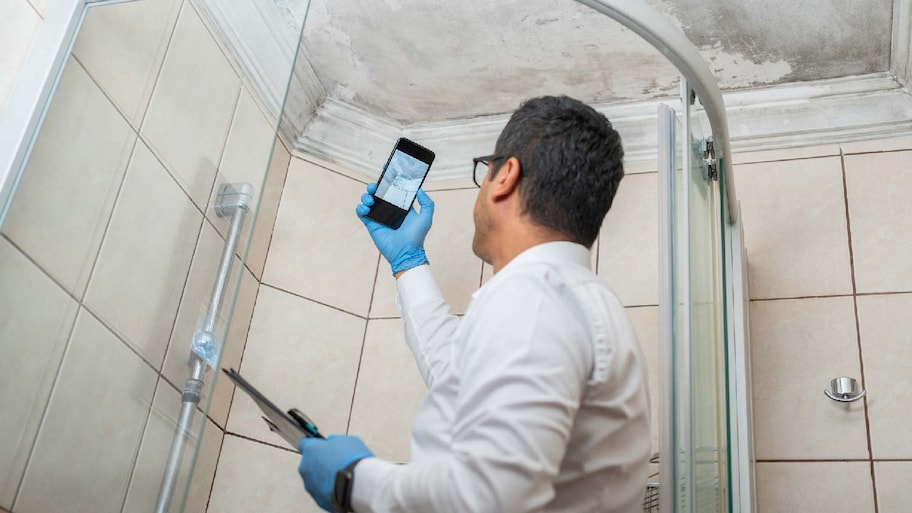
{"type": "Point", "coordinates": [709, 157]}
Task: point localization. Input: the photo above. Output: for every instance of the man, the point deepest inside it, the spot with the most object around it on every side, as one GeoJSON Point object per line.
{"type": "Point", "coordinates": [537, 398]}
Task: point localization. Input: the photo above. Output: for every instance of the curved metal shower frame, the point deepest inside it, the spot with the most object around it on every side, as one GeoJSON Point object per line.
{"type": "Point", "coordinates": [673, 44]}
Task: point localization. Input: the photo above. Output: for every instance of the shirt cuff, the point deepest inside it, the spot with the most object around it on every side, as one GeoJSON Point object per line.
{"type": "Point", "coordinates": [416, 286]}
{"type": "Point", "coordinates": [369, 476]}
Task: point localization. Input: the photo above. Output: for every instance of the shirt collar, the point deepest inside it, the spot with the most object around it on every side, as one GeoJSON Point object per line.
{"type": "Point", "coordinates": [559, 252]}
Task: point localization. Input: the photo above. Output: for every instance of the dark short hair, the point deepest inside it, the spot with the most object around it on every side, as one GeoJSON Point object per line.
{"type": "Point", "coordinates": [571, 164]}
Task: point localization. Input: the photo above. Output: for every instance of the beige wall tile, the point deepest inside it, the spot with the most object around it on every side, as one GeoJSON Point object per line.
{"type": "Point", "coordinates": [646, 326]}
{"type": "Point", "coordinates": [143, 263]}
{"type": "Point", "coordinates": [879, 187]}
{"type": "Point", "coordinates": [204, 469]}
{"type": "Point", "coordinates": [153, 457]}
{"type": "Point", "coordinates": [389, 392]}
{"type": "Point", "coordinates": [192, 106]}
{"type": "Point", "coordinates": [804, 152]}
{"type": "Point", "coordinates": [834, 487]}
{"type": "Point", "coordinates": [639, 166]}
{"type": "Point", "coordinates": [886, 342]}
{"type": "Point", "coordinates": [797, 347]}
{"type": "Point", "coordinates": [256, 477]}
{"type": "Point", "coordinates": [190, 317]}
{"type": "Point", "coordinates": [320, 249]}
{"type": "Point", "coordinates": [893, 491]}
{"type": "Point", "coordinates": [82, 462]}
{"type": "Point", "coordinates": [486, 273]}
{"type": "Point", "coordinates": [246, 160]}
{"type": "Point", "coordinates": [900, 142]}
{"type": "Point", "coordinates": [269, 208]}
{"type": "Point", "coordinates": [628, 243]}
{"type": "Point", "coordinates": [36, 317]}
{"type": "Point", "coordinates": [383, 303]}
{"type": "Point", "coordinates": [449, 247]}
{"type": "Point", "coordinates": [301, 355]}
{"type": "Point", "coordinates": [63, 203]}
{"type": "Point", "coordinates": [18, 25]}
{"type": "Point", "coordinates": [795, 230]}
{"type": "Point", "coordinates": [122, 46]}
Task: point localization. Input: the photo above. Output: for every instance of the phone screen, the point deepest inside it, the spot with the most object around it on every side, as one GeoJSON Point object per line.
{"type": "Point", "coordinates": [401, 181]}
{"type": "Point", "coordinates": [398, 185]}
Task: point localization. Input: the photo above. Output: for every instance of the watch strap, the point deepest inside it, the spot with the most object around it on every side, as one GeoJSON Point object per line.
{"type": "Point", "coordinates": [344, 485]}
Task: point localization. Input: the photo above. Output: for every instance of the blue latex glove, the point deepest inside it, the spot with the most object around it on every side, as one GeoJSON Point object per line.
{"type": "Point", "coordinates": [321, 459]}
{"type": "Point", "coordinates": [402, 248]}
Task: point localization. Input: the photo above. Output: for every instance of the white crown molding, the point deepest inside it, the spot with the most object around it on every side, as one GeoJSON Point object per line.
{"type": "Point", "coordinates": [901, 50]}
{"type": "Point", "coordinates": [262, 42]}
{"type": "Point", "coordinates": [787, 116]}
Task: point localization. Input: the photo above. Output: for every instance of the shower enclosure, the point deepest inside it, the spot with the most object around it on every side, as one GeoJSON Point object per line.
{"type": "Point", "coordinates": [135, 159]}
{"type": "Point", "coordinates": [136, 151]}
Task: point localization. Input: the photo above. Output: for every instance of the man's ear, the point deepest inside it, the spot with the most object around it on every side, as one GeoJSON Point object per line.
{"type": "Point", "coordinates": [506, 180]}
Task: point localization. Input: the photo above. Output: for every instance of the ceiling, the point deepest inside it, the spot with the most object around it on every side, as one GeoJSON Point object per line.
{"type": "Point", "coordinates": [414, 61]}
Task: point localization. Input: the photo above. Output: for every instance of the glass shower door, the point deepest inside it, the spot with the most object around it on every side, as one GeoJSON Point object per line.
{"type": "Point", "coordinates": [694, 471]}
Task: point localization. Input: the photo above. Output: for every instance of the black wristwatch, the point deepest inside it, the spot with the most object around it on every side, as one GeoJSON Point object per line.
{"type": "Point", "coordinates": [342, 491]}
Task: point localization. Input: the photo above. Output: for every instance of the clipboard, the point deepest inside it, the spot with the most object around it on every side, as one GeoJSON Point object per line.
{"type": "Point", "coordinates": [291, 426]}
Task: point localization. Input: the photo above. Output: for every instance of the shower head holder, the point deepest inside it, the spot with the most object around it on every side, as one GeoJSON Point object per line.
{"type": "Point", "coordinates": [844, 390]}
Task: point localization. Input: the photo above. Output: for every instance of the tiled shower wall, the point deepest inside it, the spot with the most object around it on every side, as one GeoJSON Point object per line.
{"type": "Point", "coordinates": [829, 238]}
{"type": "Point", "coordinates": [108, 256]}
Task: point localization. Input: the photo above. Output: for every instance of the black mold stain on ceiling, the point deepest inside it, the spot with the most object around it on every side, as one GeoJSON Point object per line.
{"type": "Point", "coordinates": [414, 61]}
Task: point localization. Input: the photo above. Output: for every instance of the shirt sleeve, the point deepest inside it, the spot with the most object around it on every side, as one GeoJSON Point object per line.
{"type": "Point", "coordinates": [522, 375]}
{"type": "Point", "coordinates": [429, 325]}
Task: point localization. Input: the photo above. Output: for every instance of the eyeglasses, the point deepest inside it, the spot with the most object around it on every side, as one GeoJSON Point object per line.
{"type": "Point", "coordinates": [486, 160]}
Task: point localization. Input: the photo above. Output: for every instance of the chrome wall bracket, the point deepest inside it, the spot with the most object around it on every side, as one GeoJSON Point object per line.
{"type": "Point", "coordinates": [844, 390]}
{"type": "Point", "coordinates": [233, 196]}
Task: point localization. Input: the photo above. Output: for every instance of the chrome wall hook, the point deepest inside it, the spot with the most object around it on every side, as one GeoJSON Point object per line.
{"type": "Point", "coordinates": [844, 390]}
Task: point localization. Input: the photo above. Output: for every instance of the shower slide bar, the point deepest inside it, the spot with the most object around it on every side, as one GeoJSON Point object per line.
{"type": "Point", "coordinates": [233, 201]}
{"type": "Point", "coordinates": [649, 24]}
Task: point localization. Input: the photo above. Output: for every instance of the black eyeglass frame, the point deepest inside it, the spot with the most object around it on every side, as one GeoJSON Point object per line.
{"type": "Point", "coordinates": [486, 160]}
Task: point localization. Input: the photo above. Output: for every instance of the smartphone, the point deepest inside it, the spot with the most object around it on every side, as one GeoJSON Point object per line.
{"type": "Point", "coordinates": [402, 176]}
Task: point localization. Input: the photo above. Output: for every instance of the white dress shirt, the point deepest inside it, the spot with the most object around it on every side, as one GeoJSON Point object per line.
{"type": "Point", "coordinates": [537, 398]}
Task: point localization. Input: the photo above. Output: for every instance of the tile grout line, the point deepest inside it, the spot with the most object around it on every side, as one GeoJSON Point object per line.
{"type": "Point", "coordinates": [845, 191]}
{"type": "Point", "coordinates": [44, 413]}
{"type": "Point", "coordinates": [826, 296]}
{"type": "Point", "coordinates": [107, 227]}
{"type": "Point", "coordinates": [835, 460]}
{"type": "Point", "coordinates": [231, 399]}
{"type": "Point", "coordinates": [218, 458]}
{"type": "Point", "coordinates": [135, 461]}
{"type": "Point", "coordinates": [41, 269]}
{"type": "Point", "coordinates": [218, 165]}
{"type": "Point", "coordinates": [895, 293]}
{"type": "Point", "coordinates": [41, 16]}
{"type": "Point", "coordinates": [325, 168]}
{"type": "Point", "coordinates": [351, 406]}
{"type": "Point", "coordinates": [161, 65]}
{"type": "Point", "coordinates": [829, 296]}
{"type": "Point", "coordinates": [295, 294]}
{"type": "Point", "coordinates": [81, 306]}
{"type": "Point", "coordinates": [877, 152]}
{"type": "Point", "coordinates": [275, 217]}
{"type": "Point", "coordinates": [243, 352]}
{"type": "Point", "coordinates": [261, 442]}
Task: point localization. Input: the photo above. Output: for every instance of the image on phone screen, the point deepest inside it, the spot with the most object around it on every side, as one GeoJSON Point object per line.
{"type": "Point", "coordinates": [405, 170]}
{"type": "Point", "coordinates": [401, 180]}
